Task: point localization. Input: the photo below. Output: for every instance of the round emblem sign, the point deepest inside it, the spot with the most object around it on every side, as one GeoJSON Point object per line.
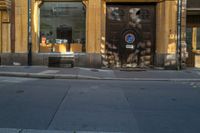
{"type": "Point", "coordinates": [130, 38]}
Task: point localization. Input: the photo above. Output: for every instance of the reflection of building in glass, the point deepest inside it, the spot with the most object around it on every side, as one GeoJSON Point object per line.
{"type": "Point", "coordinates": [62, 23]}
{"type": "Point", "coordinates": [193, 33]}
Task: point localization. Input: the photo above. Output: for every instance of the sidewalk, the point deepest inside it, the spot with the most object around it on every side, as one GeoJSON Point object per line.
{"type": "Point", "coordinates": [99, 74]}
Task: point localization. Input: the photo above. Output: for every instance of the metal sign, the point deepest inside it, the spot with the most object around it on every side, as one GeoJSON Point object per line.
{"type": "Point", "coordinates": [130, 38]}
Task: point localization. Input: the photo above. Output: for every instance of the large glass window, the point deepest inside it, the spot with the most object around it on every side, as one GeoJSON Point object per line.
{"type": "Point", "coordinates": [189, 38]}
{"type": "Point", "coordinates": [198, 38]}
{"type": "Point", "coordinates": [62, 27]}
{"type": "Point", "coordinates": [193, 38]}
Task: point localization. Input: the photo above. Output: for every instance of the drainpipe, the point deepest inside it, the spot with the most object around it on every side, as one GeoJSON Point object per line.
{"type": "Point", "coordinates": [12, 34]}
{"type": "Point", "coordinates": [29, 35]}
{"type": "Point", "coordinates": [179, 36]}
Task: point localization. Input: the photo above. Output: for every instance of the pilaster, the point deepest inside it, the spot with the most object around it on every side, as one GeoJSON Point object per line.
{"type": "Point", "coordinates": [166, 33]}
{"type": "Point", "coordinates": [21, 25]}
{"type": "Point", "coordinates": [5, 6]}
{"type": "Point", "coordinates": [35, 23]}
{"type": "Point", "coordinates": [94, 26]}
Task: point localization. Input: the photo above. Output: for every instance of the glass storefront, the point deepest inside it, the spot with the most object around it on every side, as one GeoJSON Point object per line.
{"type": "Point", "coordinates": [198, 38]}
{"type": "Point", "coordinates": [189, 38]}
{"type": "Point", "coordinates": [62, 27]}
{"type": "Point", "coordinates": [193, 38]}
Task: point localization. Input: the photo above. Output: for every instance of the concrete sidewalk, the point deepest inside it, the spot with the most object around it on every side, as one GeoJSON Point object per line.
{"type": "Point", "coordinates": [100, 74]}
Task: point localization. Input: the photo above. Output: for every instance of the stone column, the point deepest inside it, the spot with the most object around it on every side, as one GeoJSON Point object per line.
{"type": "Point", "coordinates": [5, 32]}
{"type": "Point", "coordinates": [93, 28]}
{"type": "Point", "coordinates": [35, 24]}
{"type": "Point", "coordinates": [166, 33]}
{"type": "Point", "coordinates": [21, 25]}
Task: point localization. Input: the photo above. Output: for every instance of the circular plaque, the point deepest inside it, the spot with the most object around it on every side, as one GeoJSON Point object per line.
{"type": "Point", "coordinates": [130, 38]}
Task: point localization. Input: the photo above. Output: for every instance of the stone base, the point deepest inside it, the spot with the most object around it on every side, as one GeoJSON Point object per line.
{"type": "Point", "coordinates": [14, 59]}
{"type": "Point", "coordinates": [81, 59]}
{"type": "Point", "coordinates": [41, 59]}
{"type": "Point", "coordinates": [168, 61]}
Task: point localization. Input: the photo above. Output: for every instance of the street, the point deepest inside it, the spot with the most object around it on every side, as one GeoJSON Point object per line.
{"type": "Point", "coordinates": [100, 105]}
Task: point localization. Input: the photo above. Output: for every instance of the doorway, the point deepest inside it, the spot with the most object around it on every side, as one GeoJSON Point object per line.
{"type": "Point", "coordinates": [130, 35]}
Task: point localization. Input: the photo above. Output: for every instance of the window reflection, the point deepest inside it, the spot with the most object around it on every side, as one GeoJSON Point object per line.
{"type": "Point", "coordinates": [198, 38]}
{"type": "Point", "coordinates": [62, 27]}
{"type": "Point", "coordinates": [193, 38]}
{"type": "Point", "coordinates": [189, 38]}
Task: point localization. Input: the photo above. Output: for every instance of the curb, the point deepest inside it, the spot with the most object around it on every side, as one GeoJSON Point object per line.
{"type": "Point", "coordinates": [83, 77]}
{"type": "Point", "coordinates": [11, 130]}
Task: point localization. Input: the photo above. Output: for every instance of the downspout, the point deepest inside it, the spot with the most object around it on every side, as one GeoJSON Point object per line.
{"type": "Point", "coordinates": [179, 36]}
{"type": "Point", "coordinates": [29, 35]}
{"type": "Point", "coordinates": [13, 26]}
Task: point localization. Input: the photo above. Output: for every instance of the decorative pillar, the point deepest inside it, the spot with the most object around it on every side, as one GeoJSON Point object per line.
{"type": "Point", "coordinates": [5, 6]}
{"type": "Point", "coordinates": [166, 33]}
{"type": "Point", "coordinates": [94, 26]}
{"type": "Point", "coordinates": [21, 25]}
{"type": "Point", "coordinates": [35, 24]}
{"type": "Point", "coordinates": [6, 29]}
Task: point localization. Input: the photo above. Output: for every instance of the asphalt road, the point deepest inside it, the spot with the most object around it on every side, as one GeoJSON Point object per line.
{"type": "Point", "coordinates": [109, 106]}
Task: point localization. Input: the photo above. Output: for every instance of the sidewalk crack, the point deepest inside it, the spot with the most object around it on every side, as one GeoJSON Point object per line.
{"type": "Point", "coordinates": [58, 107]}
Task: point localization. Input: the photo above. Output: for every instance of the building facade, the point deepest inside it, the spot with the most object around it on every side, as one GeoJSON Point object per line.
{"type": "Point", "coordinates": [101, 33]}
{"type": "Point", "coordinates": [193, 33]}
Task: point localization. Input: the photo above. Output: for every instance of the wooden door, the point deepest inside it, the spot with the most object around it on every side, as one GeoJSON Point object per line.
{"type": "Point", "coordinates": [130, 35]}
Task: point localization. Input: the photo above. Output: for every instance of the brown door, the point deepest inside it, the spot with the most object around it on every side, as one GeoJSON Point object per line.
{"type": "Point", "coordinates": [130, 35]}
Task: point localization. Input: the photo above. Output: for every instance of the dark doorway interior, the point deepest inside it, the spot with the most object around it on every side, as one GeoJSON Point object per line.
{"type": "Point", "coordinates": [130, 33]}
{"type": "Point", "coordinates": [64, 33]}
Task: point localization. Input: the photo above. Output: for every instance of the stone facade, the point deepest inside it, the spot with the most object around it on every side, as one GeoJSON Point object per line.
{"type": "Point", "coordinates": [193, 24]}
{"type": "Point", "coordinates": [165, 42]}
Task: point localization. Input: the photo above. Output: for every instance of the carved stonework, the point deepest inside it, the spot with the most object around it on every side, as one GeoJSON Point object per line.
{"type": "Point", "coordinates": [40, 2]}
{"type": "Point", "coordinates": [5, 4]}
{"type": "Point", "coordinates": [85, 2]}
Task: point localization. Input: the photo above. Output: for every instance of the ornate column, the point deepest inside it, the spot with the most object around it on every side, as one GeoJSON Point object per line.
{"type": "Point", "coordinates": [166, 33]}
{"type": "Point", "coordinates": [166, 39]}
{"type": "Point", "coordinates": [5, 6]}
{"type": "Point", "coordinates": [21, 25]}
{"type": "Point", "coordinates": [94, 25]}
{"type": "Point", "coordinates": [35, 23]}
